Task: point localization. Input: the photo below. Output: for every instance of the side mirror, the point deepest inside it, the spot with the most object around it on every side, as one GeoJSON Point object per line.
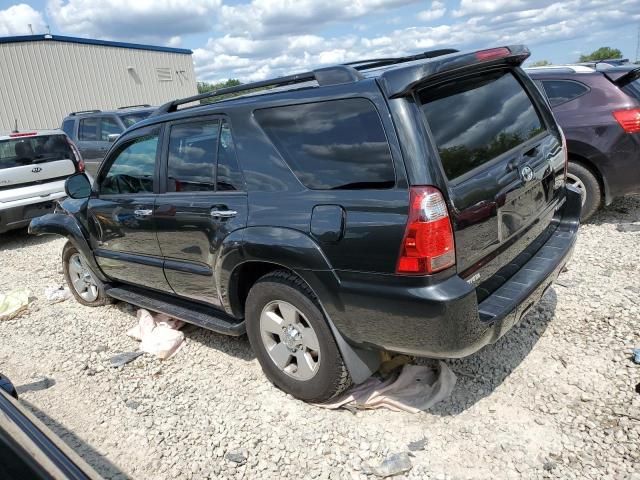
{"type": "Point", "coordinates": [113, 137]}
{"type": "Point", "coordinates": [77, 186]}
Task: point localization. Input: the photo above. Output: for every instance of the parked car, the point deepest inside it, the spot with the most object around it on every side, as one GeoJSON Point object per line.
{"type": "Point", "coordinates": [93, 131]}
{"type": "Point", "coordinates": [33, 168]}
{"type": "Point", "coordinates": [414, 205]}
{"type": "Point", "coordinates": [28, 449]}
{"type": "Point", "coordinates": [599, 112]}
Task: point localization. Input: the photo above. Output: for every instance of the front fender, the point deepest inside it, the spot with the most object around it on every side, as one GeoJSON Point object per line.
{"type": "Point", "coordinates": [67, 226]}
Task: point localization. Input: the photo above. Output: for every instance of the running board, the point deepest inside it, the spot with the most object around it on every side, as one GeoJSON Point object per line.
{"type": "Point", "coordinates": [200, 315]}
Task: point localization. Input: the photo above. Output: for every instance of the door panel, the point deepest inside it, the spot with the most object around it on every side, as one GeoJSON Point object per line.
{"type": "Point", "coordinates": [190, 238]}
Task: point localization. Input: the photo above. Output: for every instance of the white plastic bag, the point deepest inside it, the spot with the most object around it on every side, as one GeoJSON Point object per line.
{"type": "Point", "coordinates": [14, 303]}
{"type": "Point", "coordinates": [57, 294]}
{"type": "Point", "coordinates": [159, 334]}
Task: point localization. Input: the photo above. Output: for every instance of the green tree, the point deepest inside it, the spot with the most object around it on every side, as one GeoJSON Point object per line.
{"type": "Point", "coordinates": [603, 53]}
{"type": "Point", "coordinates": [541, 63]}
{"type": "Point", "coordinates": [204, 87]}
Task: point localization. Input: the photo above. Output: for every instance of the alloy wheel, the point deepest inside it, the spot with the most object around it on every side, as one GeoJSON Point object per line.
{"type": "Point", "coordinates": [82, 279]}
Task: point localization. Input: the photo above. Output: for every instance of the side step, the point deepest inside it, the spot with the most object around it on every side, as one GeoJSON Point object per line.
{"type": "Point", "coordinates": [190, 312]}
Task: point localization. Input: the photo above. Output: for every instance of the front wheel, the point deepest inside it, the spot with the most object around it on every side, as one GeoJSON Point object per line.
{"type": "Point", "coordinates": [85, 287]}
{"type": "Point", "coordinates": [292, 340]}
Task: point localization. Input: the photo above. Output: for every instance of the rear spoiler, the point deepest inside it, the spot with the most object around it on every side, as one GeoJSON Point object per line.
{"type": "Point", "coordinates": [399, 82]}
{"type": "Point", "coordinates": [621, 78]}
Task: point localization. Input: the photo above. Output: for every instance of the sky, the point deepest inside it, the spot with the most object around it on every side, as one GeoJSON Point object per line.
{"type": "Point", "coordinates": [256, 39]}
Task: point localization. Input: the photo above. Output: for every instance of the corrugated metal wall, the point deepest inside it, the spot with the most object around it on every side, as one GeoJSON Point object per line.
{"type": "Point", "coordinates": [41, 82]}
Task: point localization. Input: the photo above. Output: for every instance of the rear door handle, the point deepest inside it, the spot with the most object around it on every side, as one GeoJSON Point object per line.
{"type": "Point", "coordinates": [215, 213]}
{"type": "Point", "coordinates": [142, 213]}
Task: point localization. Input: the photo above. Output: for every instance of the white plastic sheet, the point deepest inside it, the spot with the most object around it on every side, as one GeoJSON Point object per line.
{"type": "Point", "coordinates": [14, 303]}
{"type": "Point", "coordinates": [158, 334]}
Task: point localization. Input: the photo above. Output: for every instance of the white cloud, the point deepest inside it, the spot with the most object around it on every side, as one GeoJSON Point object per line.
{"type": "Point", "coordinates": [15, 20]}
{"type": "Point", "coordinates": [133, 20]}
{"type": "Point", "coordinates": [436, 11]}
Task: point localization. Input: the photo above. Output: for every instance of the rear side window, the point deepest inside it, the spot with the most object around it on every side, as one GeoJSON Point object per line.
{"type": "Point", "coordinates": [561, 91]}
{"type": "Point", "coordinates": [192, 156]}
{"type": "Point", "coordinates": [338, 144]}
{"type": "Point", "coordinates": [88, 130]}
{"type": "Point", "coordinates": [633, 89]}
{"type": "Point", "coordinates": [33, 150]}
{"type": "Point", "coordinates": [478, 118]}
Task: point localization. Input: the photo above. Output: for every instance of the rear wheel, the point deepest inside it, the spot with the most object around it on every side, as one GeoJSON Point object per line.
{"type": "Point", "coordinates": [292, 340]}
{"type": "Point", "coordinates": [85, 287]}
{"type": "Point", "coordinates": [584, 180]}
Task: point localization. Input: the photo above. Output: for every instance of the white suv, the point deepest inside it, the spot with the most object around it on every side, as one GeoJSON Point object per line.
{"type": "Point", "coordinates": [33, 169]}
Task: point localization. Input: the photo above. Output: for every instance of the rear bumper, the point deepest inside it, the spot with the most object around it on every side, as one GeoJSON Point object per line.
{"type": "Point", "coordinates": [443, 319]}
{"type": "Point", "coordinates": [19, 216]}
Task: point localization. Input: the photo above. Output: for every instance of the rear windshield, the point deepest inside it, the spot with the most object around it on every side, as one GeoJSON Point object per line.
{"type": "Point", "coordinates": [30, 150]}
{"type": "Point", "coordinates": [132, 118]}
{"type": "Point", "coordinates": [478, 118]}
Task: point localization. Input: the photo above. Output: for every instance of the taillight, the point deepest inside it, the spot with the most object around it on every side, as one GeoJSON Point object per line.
{"type": "Point", "coordinates": [77, 154]}
{"type": "Point", "coordinates": [493, 53]}
{"type": "Point", "coordinates": [428, 245]}
{"type": "Point", "coordinates": [629, 120]}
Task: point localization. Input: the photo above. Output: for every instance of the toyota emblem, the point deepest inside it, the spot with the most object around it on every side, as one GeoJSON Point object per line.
{"type": "Point", "coordinates": [527, 174]}
{"type": "Point", "coordinates": [36, 170]}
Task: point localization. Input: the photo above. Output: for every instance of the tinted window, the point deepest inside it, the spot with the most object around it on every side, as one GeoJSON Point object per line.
{"type": "Point", "coordinates": [88, 130]}
{"type": "Point", "coordinates": [32, 150]}
{"type": "Point", "coordinates": [192, 156]}
{"type": "Point", "coordinates": [109, 126]}
{"type": "Point", "coordinates": [633, 89]}
{"type": "Point", "coordinates": [475, 119]}
{"type": "Point", "coordinates": [332, 145]}
{"type": "Point", "coordinates": [132, 118]}
{"type": "Point", "coordinates": [67, 127]}
{"type": "Point", "coordinates": [560, 91]}
{"type": "Point", "coordinates": [228, 176]}
{"type": "Point", "coordinates": [132, 168]}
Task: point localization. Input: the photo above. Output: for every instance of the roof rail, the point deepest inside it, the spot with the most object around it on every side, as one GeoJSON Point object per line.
{"type": "Point", "coordinates": [82, 112]}
{"type": "Point", "coordinates": [382, 62]}
{"type": "Point", "coordinates": [142, 105]}
{"type": "Point", "coordinates": [561, 69]}
{"type": "Point", "coordinates": [346, 73]}
{"type": "Point", "coordinates": [324, 76]}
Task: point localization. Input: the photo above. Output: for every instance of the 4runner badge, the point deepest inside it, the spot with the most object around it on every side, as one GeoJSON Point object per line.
{"type": "Point", "coordinates": [526, 173]}
{"type": "Point", "coordinates": [36, 170]}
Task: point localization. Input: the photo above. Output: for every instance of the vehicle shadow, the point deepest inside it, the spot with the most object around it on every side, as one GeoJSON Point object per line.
{"type": "Point", "coordinates": [16, 239]}
{"type": "Point", "coordinates": [622, 210]}
{"type": "Point", "coordinates": [100, 464]}
{"type": "Point", "coordinates": [481, 373]}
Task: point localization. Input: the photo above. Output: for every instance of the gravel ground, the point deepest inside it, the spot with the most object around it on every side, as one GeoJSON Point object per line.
{"type": "Point", "coordinates": [555, 398]}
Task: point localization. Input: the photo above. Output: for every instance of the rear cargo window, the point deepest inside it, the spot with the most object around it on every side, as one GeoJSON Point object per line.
{"type": "Point", "coordinates": [478, 118]}
{"type": "Point", "coordinates": [339, 144]}
{"type": "Point", "coordinates": [32, 150]}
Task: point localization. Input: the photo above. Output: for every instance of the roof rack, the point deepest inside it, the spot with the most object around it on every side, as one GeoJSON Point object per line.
{"type": "Point", "coordinates": [82, 112]}
{"type": "Point", "coordinates": [335, 75]}
{"type": "Point", "coordinates": [142, 105]}
{"type": "Point", "coordinates": [561, 69]}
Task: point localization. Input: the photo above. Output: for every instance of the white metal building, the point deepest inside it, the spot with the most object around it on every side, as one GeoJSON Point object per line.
{"type": "Point", "coordinates": [44, 77]}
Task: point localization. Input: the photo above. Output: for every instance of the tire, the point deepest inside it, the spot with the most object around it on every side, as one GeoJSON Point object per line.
{"type": "Point", "coordinates": [91, 296]}
{"type": "Point", "coordinates": [324, 374]}
{"type": "Point", "coordinates": [581, 177]}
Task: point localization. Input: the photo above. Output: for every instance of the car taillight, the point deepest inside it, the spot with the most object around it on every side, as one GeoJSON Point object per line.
{"type": "Point", "coordinates": [428, 245]}
{"type": "Point", "coordinates": [629, 120]}
{"type": "Point", "coordinates": [77, 154]}
{"type": "Point", "coordinates": [493, 53]}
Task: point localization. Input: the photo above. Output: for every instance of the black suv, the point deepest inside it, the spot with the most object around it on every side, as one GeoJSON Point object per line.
{"type": "Point", "coordinates": [599, 112]}
{"type": "Point", "coordinates": [413, 205]}
{"type": "Point", "coordinates": [93, 131]}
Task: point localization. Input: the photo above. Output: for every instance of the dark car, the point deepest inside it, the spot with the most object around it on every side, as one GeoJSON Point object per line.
{"type": "Point", "coordinates": [413, 205]}
{"type": "Point", "coordinates": [94, 131]}
{"type": "Point", "coordinates": [599, 112]}
{"type": "Point", "coordinates": [29, 450]}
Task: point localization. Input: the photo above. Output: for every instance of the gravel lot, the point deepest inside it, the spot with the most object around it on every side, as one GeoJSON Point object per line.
{"type": "Point", "coordinates": [555, 398]}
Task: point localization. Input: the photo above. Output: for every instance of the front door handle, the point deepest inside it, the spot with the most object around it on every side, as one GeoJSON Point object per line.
{"type": "Point", "coordinates": [215, 213]}
{"type": "Point", "coordinates": [142, 213]}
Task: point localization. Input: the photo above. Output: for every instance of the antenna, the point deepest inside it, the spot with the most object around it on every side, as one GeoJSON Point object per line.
{"type": "Point", "coordinates": [15, 128]}
{"type": "Point", "coordinates": [30, 28]}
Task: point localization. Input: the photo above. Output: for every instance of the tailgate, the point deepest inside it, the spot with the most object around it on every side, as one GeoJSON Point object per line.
{"type": "Point", "coordinates": [501, 153]}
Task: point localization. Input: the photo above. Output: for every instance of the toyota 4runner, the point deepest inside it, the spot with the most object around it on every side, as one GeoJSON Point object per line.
{"type": "Point", "coordinates": [413, 205]}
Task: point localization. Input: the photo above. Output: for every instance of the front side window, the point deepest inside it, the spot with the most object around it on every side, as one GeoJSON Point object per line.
{"type": "Point", "coordinates": [109, 126]}
{"type": "Point", "coordinates": [339, 144]}
{"type": "Point", "coordinates": [192, 156]}
{"type": "Point", "coordinates": [478, 118]}
{"type": "Point", "coordinates": [561, 91]}
{"type": "Point", "coordinates": [133, 167]}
